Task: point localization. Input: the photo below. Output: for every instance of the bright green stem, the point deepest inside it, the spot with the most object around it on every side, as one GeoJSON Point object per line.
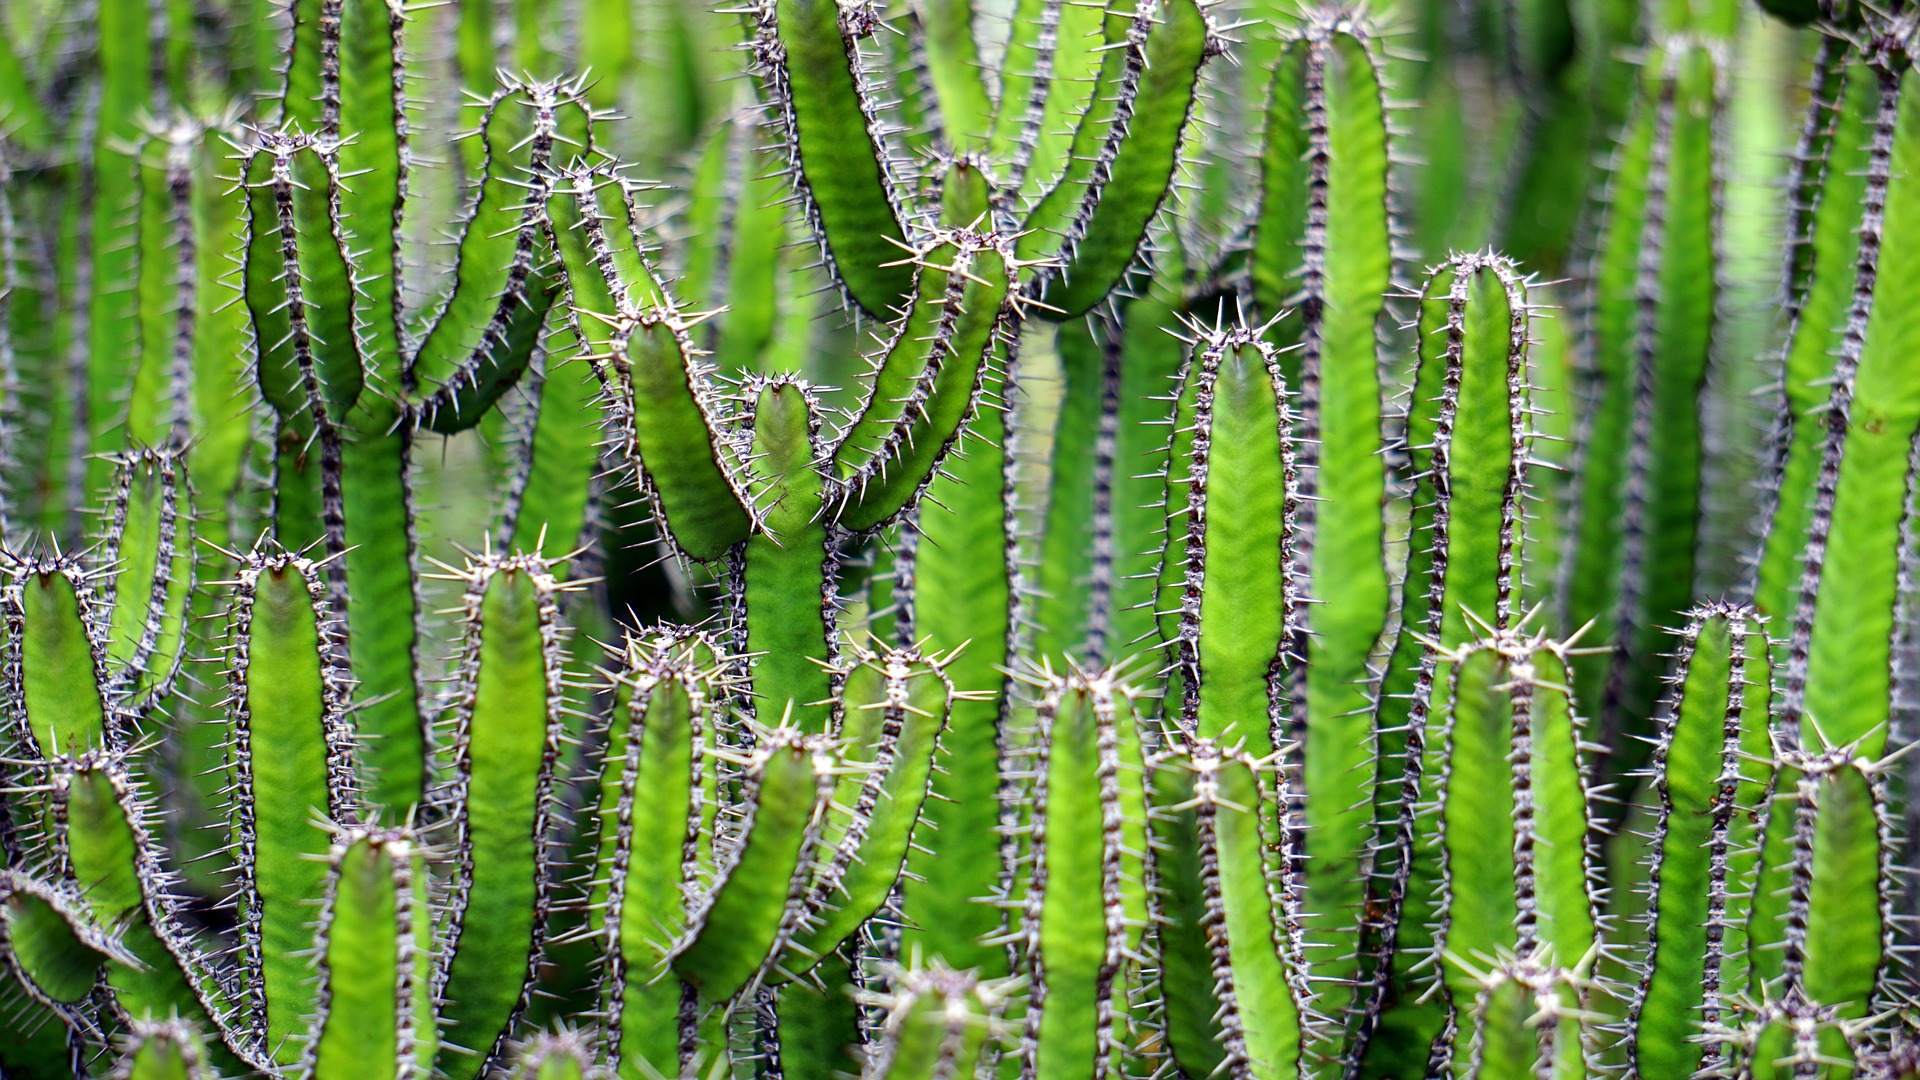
{"type": "Point", "coordinates": [291, 762]}
{"type": "Point", "coordinates": [1137, 159]}
{"type": "Point", "coordinates": [1469, 439]}
{"type": "Point", "coordinates": [1229, 589]}
{"type": "Point", "coordinates": [1655, 297]}
{"type": "Point", "coordinates": [523, 127]}
{"type": "Point", "coordinates": [669, 416]}
{"type": "Point", "coordinates": [1822, 917]}
{"type": "Point", "coordinates": [556, 1057]}
{"type": "Point", "coordinates": [364, 96]}
{"type": "Point", "coordinates": [927, 385]}
{"type": "Point", "coordinates": [381, 609]}
{"type": "Point", "coordinates": [55, 662]}
{"type": "Point", "coordinates": [756, 901]}
{"type": "Point", "coordinates": [150, 547]}
{"type": "Point", "coordinates": [1711, 779]}
{"type": "Point", "coordinates": [656, 808]}
{"type": "Point", "coordinates": [1232, 976]}
{"type": "Point", "coordinates": [1323, 247]}
{"type": "Point", "coordinates": [1839, 671]}
{"type": "Point", "coordinates": [788, 565]}
{"type": "Point", "coordinates": [808, 55]}
{"type": "Point", "coordinates": [374, 945]}
{"type": "Point", "coordinates": [55, 946]}
{"type": "Point", "coordinates": [504, 732]}
{"type": "Point", "coordinates": [1085, 909]}
{"type": "Point", "coordinates": [954, 565]}
{"type": "Point", "coordinates": [895, 707]}
{"type": "Point", "coordinates": [109, 852]}
{"type": "Point", "coordinates": [164, 1050]}
{"type": "Point", "coordinates": [1500, 860]}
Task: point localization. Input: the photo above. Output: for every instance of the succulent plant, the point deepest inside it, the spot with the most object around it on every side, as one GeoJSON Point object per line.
{"type": "Point", "coordinates": [999, 559]}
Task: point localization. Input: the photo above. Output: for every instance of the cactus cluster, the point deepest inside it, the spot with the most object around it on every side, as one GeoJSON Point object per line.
{"type": "Point", "coordinates": [1051, 539]}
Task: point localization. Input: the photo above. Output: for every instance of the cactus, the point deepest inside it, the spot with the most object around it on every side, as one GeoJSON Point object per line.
{"type": "Point", "coordinates": [468, 611]}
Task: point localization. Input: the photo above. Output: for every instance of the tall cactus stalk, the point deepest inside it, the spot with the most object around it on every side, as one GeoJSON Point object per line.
{"type": "Point", "coordinates": [1469, 433]}
{"type": "Point", "coordinates": [1710, 779]}
{"type": "Point", "coordinates": [1323, 249]}
{"type": "Point", "coordinates": [1655, 278]}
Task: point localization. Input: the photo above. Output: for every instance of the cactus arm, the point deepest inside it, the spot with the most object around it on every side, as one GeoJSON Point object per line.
{"type": "Point", "coordinates": [555, 1057]}
{"type": "Point", "coordinates": [1839, 668]}
{"type": "Point", "coordinates": [1047, 84]}
{"type": "Point", "coordinates": [365, 97]}
{"type": "Point", "coordinates": [1085, 908]}
{"type": "Point", "coordinates": [506, 722]}
{"type": "Point", "coordinates": [827, 115]}
{"type": "Point", "coordinates": [522, 127]}
{"type": "Point", "coordinates": [1819, 315]}
{"type": "Point", "coordinates": [308, 205]}
{"type": "Point", "coordinates": [1838, 914]}
{"type": "Point", "coordinates": [1326, 108]}
{"type": "Point", "coordinates": [788, 566]}
{"type": "Point", "coordinates": [1229, 936]}
{"type": "Point", "coordinates": [1052, 214]}
{"type": "Point", "coordinates": [291, 760]}
{"type": "Point", "coordinates": [150, 544]}
{"type": "Point", "coordinates": [112, 322]}
{"type": "Point", "coordinates": [1468, 436]}
{"type": "Point", "coordinates": [164, 288]}
{"type": "Point", "coordinates": [956, 857]}
{"type": "Point", "coordinates": [52, 942]}
{"type": "Point", "coordinates": [756, 900]}
{"type": "Point", "coordinates": [928, 384]}
{"type": "Point", "coordinates": [276, 369]}
{"type": "Point", "coordinates": [498, 364]}
{"type": "Point", "coordinates": [894, 735]}
{"type": "Point", "coordinates": [953, 67]}
{"type": "Point", "coordinates": [1675, 306]}
{"type": "Point", "coordinates": [1137, 164]}
{"type": "Point", "coordinates": [1525, 1022]}
{"type": "Point", "coordinates": [1077, 545]}
{"type": "Point", "coordinates": [107, 850]}
{"type": "Point", "coordinates": [56, 662]}
{"type": "Point", "coordinates": [1229, 648]}
{"type": "Point", "coordinates": [552, 495]}
{"type": "Point", "coordinates": [1711, 777]}
{"type": "Point", "coordinates": [308, 348]}
{"type": "Point", "coordinates": [655, 804]}
{"type": "Point", "coordinates": [372, 945]}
